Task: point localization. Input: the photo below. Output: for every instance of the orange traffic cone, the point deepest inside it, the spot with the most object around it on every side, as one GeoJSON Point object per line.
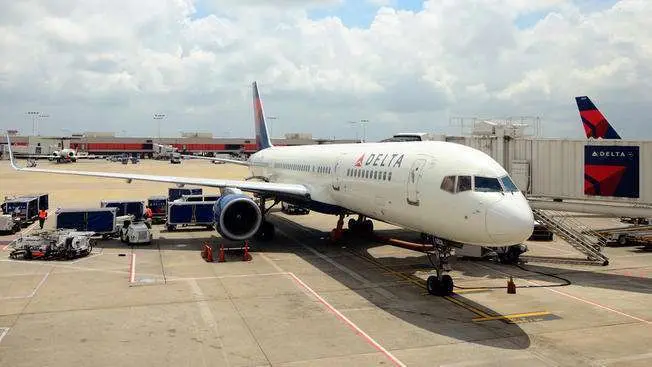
{"type": "Point", "coordinates": [221, 255]}
{"type": "Point", "coordinates": [246, 256]}
{"type": "Point", "coordinates": [209, 254]}
{"type": "Point", "coordinates": [511, 287]}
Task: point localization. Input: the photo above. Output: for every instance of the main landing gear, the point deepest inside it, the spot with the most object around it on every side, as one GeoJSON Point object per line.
{"type": "Point", "coordinates": [440, 284]}
{"type": "Point", "coordinates": [362, 225]}
{"type": "Point", "coordinates": [266, 230]}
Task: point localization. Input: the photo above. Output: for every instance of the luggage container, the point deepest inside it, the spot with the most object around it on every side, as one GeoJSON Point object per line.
{"type": "Point", "coordinates": [43, 199]}
{"type": "Point", "coordinates": [26, 209]}
{"type": "Point", "coordinates": [159, 206]}
{"type": "Point", "coordinates": [184, 213]}
{"type": "Point", "coordinates": [175, 193]}
{"type": "Point", "coordinates": [126, 207]}
{"type": "Point", "coordinates": [98, 220]}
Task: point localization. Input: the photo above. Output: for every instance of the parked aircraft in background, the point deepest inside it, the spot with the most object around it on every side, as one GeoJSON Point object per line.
{"type": "Point", "coordinates": [595, 124]}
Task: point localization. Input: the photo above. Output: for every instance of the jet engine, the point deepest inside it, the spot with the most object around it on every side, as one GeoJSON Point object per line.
{"type": "Point", "coordinates": [237, 216]}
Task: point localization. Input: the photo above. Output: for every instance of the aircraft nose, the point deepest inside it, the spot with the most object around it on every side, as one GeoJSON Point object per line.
{"type": "Point", "coordinates": [510, 220]}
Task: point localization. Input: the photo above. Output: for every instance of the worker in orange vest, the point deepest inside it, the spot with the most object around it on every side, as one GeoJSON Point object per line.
{"type": "Point", "coordinates": [148, 217]}
{"type": "Point", "coordinates": [42, 216]}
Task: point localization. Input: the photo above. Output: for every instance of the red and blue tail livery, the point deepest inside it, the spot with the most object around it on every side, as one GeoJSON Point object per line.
{"type": "Point", "coordinates": [595, 124]}
{"type": "Point", "coordinates": [262, 136]}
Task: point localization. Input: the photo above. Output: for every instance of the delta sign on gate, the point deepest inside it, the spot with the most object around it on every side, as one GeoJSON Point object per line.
{"type": "Point", "coordinates": [611, 171]}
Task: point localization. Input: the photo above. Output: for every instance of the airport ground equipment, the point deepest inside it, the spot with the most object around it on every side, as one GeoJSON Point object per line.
{"type": "Point", "coordinates": [577, 234]}
{"type": "Point", "coordinates": [293, 209]}
{"type": "Point", "coordinates": [199, 198]}
{"type": "Point", "coordinates": [159, 206]}
{"type": "Point", "coordinates": [133, 233]}
{"type": "Point", "coordinates": [175, 158]}
{"type": "Point", "coordinates": [42, 199]}
{"type": "Point", "coordinates": [9, 224]}
{"type": "Point", "coordinates": [53, 245]}
{"type": "Point", "coordinates": [175, 193]}
{"type": "Point", "coordinates": [25, 209]}
{"type": "Point", "coordinates": [126, 207]}
{"type": "Point", "coordinates": [100, 221]}
{"type": "Point", "coordinates": [625, 235]}
{"type": "Point", "coordinates": [185, 213]}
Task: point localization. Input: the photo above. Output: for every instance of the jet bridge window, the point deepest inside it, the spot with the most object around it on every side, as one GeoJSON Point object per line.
{"type": "Point", "coordinates": [448, 184]}
{"type": "Point", "coordinates": [463, 183]}
{"type": "Point", "coordinates": [487, 184]}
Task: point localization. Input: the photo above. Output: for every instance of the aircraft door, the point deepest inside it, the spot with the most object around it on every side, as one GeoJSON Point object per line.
{"type": "Point", "coordinates": [414, 177]}
{"type": "Point", "coordinates": [337, 174]}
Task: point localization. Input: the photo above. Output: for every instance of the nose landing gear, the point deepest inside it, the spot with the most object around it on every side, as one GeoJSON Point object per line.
{"type": "Point", "coordinates": [440, 284]}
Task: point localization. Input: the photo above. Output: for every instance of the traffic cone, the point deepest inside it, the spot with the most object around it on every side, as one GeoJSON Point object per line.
{"type": "Point", "coordinates": [221, 255]}
{"type": "Point", "coordinates": [209, 254]}
{"type": "Point", "coordinates": [246, 256]}
{"type": "Point", "coordinates": [511, 287]}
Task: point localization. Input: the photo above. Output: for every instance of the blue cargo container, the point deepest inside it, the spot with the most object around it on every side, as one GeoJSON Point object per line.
{"type": "Point", "coordinates": [43, 200]}
{"type": "Point", "coordinates": [175, 193]}
{"type": "Point", "coordinates": [185, 213]}
{"type": "Point", "coordinates": [126, 207]}
{"type": "Point", "coordinates": [25, 208]}
{"type": "Point", "coordinates": [98, 220]}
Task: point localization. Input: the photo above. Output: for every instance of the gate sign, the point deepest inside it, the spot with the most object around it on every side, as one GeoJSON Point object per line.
{"type": "Point", "coordinates": [611, 171]}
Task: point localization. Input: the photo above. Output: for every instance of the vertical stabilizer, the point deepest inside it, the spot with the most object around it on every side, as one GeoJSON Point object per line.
{"type": "Point", "coordinates": [262, 135]}
{"type": "Point", "coordinates": [595, 124]}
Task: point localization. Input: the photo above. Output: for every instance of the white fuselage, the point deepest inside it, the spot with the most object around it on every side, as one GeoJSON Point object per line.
{"type": "Point", "coordinates": [401, 183]}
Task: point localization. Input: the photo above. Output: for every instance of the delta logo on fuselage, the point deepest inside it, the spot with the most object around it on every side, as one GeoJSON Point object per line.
{"type": "Point", "coordinates": [380, 160]}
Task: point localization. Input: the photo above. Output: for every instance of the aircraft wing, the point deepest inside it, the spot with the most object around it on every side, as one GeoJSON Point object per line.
{"type": "Point", "coordinates": [225, 160]}
{"type": "Point", "coordinates": [248, 186]}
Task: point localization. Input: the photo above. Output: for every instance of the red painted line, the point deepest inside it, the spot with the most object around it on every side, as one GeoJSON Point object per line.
{"type": "Point", "coordinates": [132, 269]}
{"type": "Point", "coordinates": [350, 323]}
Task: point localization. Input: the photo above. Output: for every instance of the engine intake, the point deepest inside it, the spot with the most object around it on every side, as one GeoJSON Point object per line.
{"type": "Point", "coordinates": [237, 217]}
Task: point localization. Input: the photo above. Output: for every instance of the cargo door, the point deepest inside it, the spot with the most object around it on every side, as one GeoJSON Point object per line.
{"type": "Point", "coordinates": [521, 175]}
{"type": "Point", "coordinates": [413, 179]}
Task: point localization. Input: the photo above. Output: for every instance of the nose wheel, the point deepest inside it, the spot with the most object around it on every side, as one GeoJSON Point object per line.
{"type": "Point", "coordinates": [440, 284]}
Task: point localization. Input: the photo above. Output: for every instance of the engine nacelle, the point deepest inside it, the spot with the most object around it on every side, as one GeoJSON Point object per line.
{"type": "Point", "coordinates": [237, 217]}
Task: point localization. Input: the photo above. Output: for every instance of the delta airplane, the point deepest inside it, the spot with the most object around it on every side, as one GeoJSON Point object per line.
{"type": "Point", "coordinates": [453, 193]}
{"type": "Point", "coordinates": [595, 124]}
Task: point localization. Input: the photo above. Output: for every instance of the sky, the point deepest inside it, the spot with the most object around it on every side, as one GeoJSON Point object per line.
{"type": "Point", "coordinates": [403, 65]}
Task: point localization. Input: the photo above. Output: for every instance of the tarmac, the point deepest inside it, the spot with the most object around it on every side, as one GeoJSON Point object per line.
{"type": "Point", "coordinates": [303, 300]}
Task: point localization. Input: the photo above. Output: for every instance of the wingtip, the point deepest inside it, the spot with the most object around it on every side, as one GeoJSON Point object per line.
{"type": "Point", "coordinates": [12, 161]}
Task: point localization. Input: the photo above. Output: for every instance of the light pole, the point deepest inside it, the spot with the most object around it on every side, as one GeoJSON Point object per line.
{"type": "Point", "coordinates": [159, 117]}
{"type": "Point", "coordinates": [364, 123]}
{"type": "Point", "coordinates": [271, 130]}
{"type": "Point", "coordinates": [356, 130]}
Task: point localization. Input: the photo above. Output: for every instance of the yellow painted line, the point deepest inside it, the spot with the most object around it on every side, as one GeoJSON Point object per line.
{"type": "Point", "coordinates": [468, 307]}
{"type": "Point", "coordinates": [512, 316]}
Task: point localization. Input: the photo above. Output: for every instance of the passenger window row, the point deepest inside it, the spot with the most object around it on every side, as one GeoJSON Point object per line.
{"type": "Point", "coordinates": [303, 167]}
{"type": "Point", "coordinates": [369, 174]}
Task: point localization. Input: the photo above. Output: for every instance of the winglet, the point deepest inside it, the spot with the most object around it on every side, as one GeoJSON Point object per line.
{"type": "Point", "coordinates": [11, 155]}
{"type": "Point", "coordinates": [262, 135]}
{"type": "Point", "coordinates": [595, 124]}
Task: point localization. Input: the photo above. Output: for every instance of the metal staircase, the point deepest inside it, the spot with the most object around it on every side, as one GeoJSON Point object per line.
{"type": "Point", "coordinates": [576, 233]}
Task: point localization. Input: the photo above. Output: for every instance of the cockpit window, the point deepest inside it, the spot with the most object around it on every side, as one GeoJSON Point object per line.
{"type": "Point", "coordinates": [448, 184]}
{"type": "Point", "coordinates": [487, 184]}
{"type": "Point", "coordinates": [508, 184]}
{"type": "Point", "coordinates": [463, 183]}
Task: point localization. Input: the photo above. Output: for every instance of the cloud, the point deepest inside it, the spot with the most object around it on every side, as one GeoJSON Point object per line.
{"type": "Point", "coordinates": [95, 65]}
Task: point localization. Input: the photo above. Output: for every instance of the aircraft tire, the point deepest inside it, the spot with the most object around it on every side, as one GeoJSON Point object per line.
{"type": "Point", "coordinates": [353, 225]}
{"type": "Point", "coordinates": [368, 226]}
{"type": "Point", "coordinates": [432, 284]}
{"type": "Point", "coordinates": [446, 285]}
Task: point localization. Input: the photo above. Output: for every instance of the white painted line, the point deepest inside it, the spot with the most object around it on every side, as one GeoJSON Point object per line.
{"type": "Point", "coordinates": [132, 269]}
{"type": "Point", "coordinates": [227, 276]}
{"type": "Point", "coordinates": [574, 297]}
{"type": "Point", "coordinates": [45, 277]}
{"type": "Point", "coordinates": [350, 323]}
{"type": "Point", "coordinates": [343, 318]}
{"type": "Point", "coordinates": [22, 233]}
{"type": "Point", "coordinates": [4, 332]}
{"type": "Point", "coordinates": [86, 258]}
{"type": "Point", "coordinates": [207, 316]}
{"type": "Point", "coordinates": [343, 268]}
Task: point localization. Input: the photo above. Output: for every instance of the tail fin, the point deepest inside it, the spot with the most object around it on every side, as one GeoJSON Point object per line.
{"type": "Point", "coordinates": [595, 124]}
{"type": "Point", "coordinates": [262, 136]}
